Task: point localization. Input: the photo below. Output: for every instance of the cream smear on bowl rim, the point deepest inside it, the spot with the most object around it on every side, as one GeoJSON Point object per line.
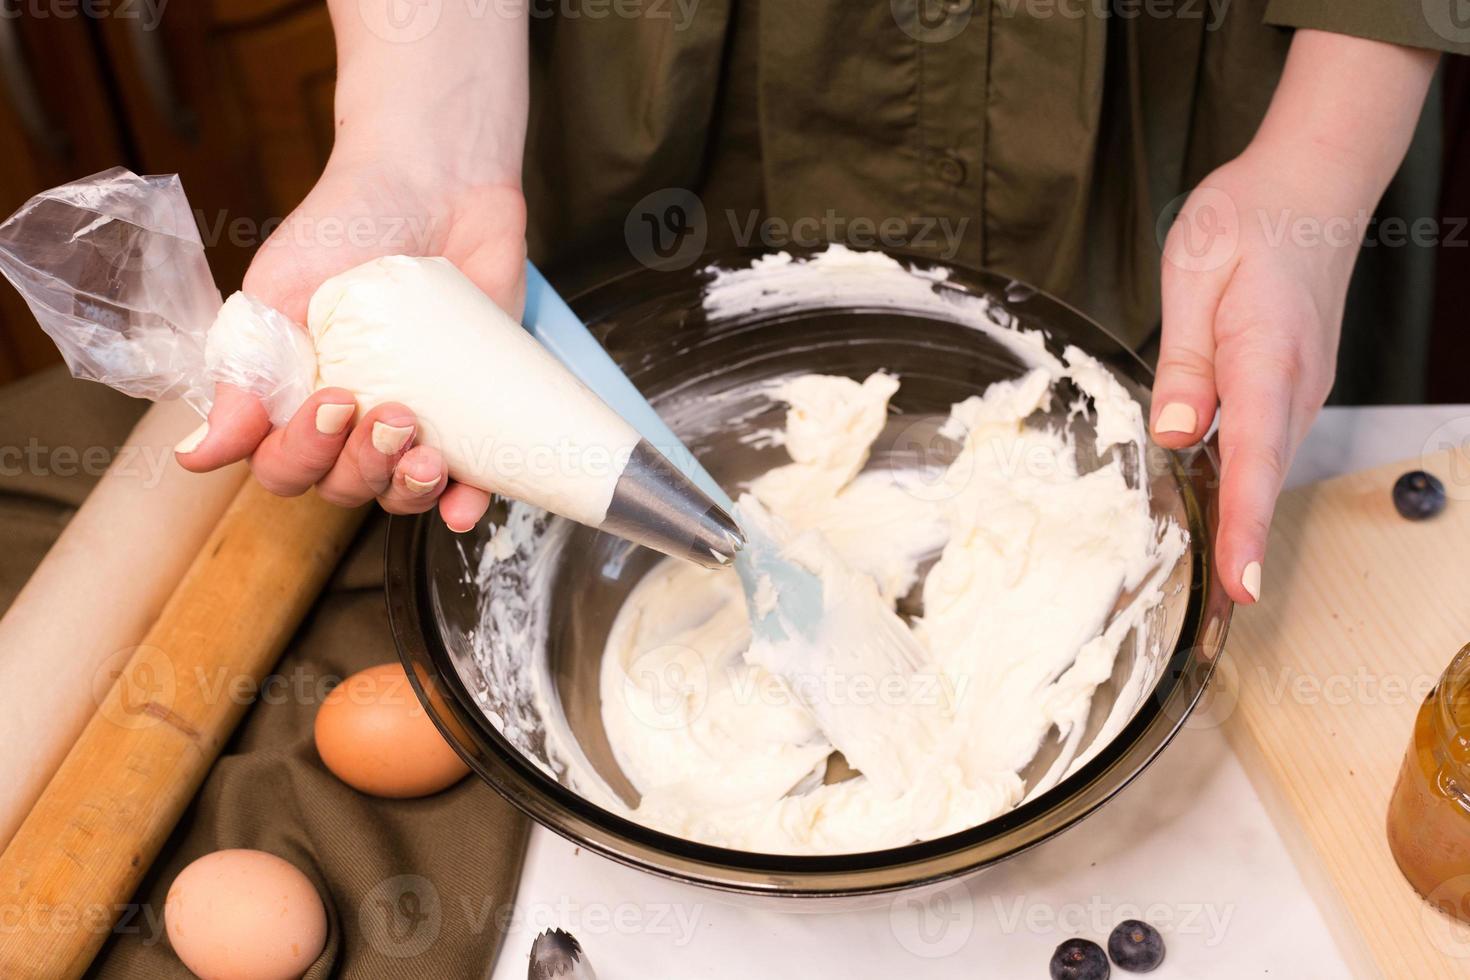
{"type": "Point", "coordinates": [1022, 612]}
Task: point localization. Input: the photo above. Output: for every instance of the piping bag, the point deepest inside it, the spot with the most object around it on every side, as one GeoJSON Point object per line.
{"type": "Point", "coordinates": [113, 268]}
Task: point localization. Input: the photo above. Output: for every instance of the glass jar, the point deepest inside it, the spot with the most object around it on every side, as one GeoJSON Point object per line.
{"type": "Point", "coordinates": [1429, 814]}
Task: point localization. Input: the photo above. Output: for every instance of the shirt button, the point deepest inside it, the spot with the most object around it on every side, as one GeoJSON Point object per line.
{"type": "Point", "coordinates": [951, 169]}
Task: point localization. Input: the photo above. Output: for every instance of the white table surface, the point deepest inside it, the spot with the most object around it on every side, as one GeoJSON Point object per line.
{"type": "Point", "coordinates": [1188, 846]}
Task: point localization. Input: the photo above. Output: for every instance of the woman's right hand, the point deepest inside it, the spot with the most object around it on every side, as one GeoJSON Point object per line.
{"type": "Point", "coordinates": [430, 130]}
{"type": "Point", "coordinates": [362, 209]}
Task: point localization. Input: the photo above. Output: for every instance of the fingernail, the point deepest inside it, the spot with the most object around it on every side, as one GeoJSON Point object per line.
{"type": "Point", "coordinates": [1176, 417]}
{"type": "Point", "coordinates": [332, 418]}
{"type": "Point", "coordinates": [1251, 579]}
{"type": "Point", "coordinates": [459, 530]}
{"type": "Point", "coordinates": [388, 439]}
{"type": "Point", "coordinates": [418, 487]}
{"type": "Point", "coordinates": [191, 441]}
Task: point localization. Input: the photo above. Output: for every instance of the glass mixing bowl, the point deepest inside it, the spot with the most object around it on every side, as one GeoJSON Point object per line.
{"type": "Point", "coordinates": [705, 377]}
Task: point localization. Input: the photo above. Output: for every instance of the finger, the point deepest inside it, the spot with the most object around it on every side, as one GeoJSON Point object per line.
{"type": "Point", "coordinates": [1255, 444]}
{"type": "Point", "coordinates": [364, 468]}
{"type": "Point", "coordinates": [418, 480]}
{"type": "Point", "coordinates": [462, 507]}
{"type": "Point", "coordinates": [1184, 396]}
{"type": "Point", "coordinates": [295, 457]}
{"type": "Point", "coordinates": [237, 423]}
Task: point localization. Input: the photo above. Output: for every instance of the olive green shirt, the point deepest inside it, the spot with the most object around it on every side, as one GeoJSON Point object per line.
{"type": "Point", "coordinates": [1043, 139]}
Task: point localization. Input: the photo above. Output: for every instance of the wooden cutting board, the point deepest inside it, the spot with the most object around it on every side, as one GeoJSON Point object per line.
{"type": "Point", "coordinates": [1361, 612]}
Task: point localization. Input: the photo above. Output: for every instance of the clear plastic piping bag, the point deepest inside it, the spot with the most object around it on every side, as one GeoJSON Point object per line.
{"type": "Point", "coordinates": [113, 267]}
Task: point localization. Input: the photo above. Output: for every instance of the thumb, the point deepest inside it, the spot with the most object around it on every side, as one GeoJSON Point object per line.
{"type": "Point", "coordinates": [1200, 255]}
{"type": "Point", "coordinates": [283, 274]}
{"type": "Point", "coordinates": [1184, 395]}
{"type": "Point", "coordinates": [501, 275]}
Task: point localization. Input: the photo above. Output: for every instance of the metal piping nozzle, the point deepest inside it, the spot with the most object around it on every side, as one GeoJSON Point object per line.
{"type": "Point", "coordinates": [656, 505]}
{"type": "Point", "coordinates": [556, 955]}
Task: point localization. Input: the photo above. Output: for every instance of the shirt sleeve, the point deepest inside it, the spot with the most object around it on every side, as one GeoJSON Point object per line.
{"type": "Point", "coordinates": [1439, 25]}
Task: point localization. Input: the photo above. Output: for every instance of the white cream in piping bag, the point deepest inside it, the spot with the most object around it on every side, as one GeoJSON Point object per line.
{"type": "Point", "coordinates": [1044, 573]}
{"type": "Point", "coordinates": [506, 414]}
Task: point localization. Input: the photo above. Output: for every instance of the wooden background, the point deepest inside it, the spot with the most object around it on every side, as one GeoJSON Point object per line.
{"type": "Point", "coordinates": [235, 95]}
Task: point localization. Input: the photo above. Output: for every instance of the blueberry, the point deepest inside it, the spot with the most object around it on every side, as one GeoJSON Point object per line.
{"type": "Point", "coordinates": [1136, 946]}
{"type": "Point", "coordinates": [1418, 495]}
{"type": "Point", "coordinates": [1079, 959]}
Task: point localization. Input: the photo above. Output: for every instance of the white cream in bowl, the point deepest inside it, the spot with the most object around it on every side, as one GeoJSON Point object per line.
{"type": "Point", "coordinates": [1044, 573]}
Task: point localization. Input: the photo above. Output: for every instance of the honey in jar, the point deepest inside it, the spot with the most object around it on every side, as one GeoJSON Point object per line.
{"type": "Point", "coordinates": [1429, 814]}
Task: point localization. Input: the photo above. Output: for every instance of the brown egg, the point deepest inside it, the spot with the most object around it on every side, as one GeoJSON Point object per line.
{"type": "Point", "coordinates": [245, 915]}
{"type": "Point", "coordinates": [374, 735]}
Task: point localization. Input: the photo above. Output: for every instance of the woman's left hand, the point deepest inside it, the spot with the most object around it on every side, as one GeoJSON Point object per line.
{"type": "Point", "coordinates": [1255, 273]}
{"type": "Point", "coordinates": [1256, 269]}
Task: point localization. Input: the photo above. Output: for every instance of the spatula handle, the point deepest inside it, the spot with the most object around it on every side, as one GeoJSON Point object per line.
{"type": "Point", "coordinates": [561, 331]}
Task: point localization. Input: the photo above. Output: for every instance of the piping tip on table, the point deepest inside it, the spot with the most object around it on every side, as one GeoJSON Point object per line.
{"type": "Point", "coordinates": [556, 955]}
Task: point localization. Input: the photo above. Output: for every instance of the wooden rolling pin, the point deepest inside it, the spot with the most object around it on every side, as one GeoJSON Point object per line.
{"type": "Point", "coordinates": [79, 855]}
{"type": "Point", "coordinates": [106, 578]}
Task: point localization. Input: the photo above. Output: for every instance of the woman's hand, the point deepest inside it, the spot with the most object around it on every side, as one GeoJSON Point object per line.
{"type": "Point", "coordinates": [1252, 308]}
{"type": "Point", "coordinates": [1256, 270]}
{"type": "Point", "coordinates": [357, 212]}
{"type": "Point", "coordinates": [430, 130]}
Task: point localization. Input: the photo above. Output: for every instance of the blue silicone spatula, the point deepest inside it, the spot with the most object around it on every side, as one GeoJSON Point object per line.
{"type": "Point", "coordinates": [559, 329]}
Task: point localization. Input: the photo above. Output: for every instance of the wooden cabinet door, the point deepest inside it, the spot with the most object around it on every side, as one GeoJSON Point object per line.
{"type": "Point", "coordinates": [233, 95]}
{"type": "Point", "coordinates": [57, 123]}
{"type": "Point", "coordinates": [236, 97]}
